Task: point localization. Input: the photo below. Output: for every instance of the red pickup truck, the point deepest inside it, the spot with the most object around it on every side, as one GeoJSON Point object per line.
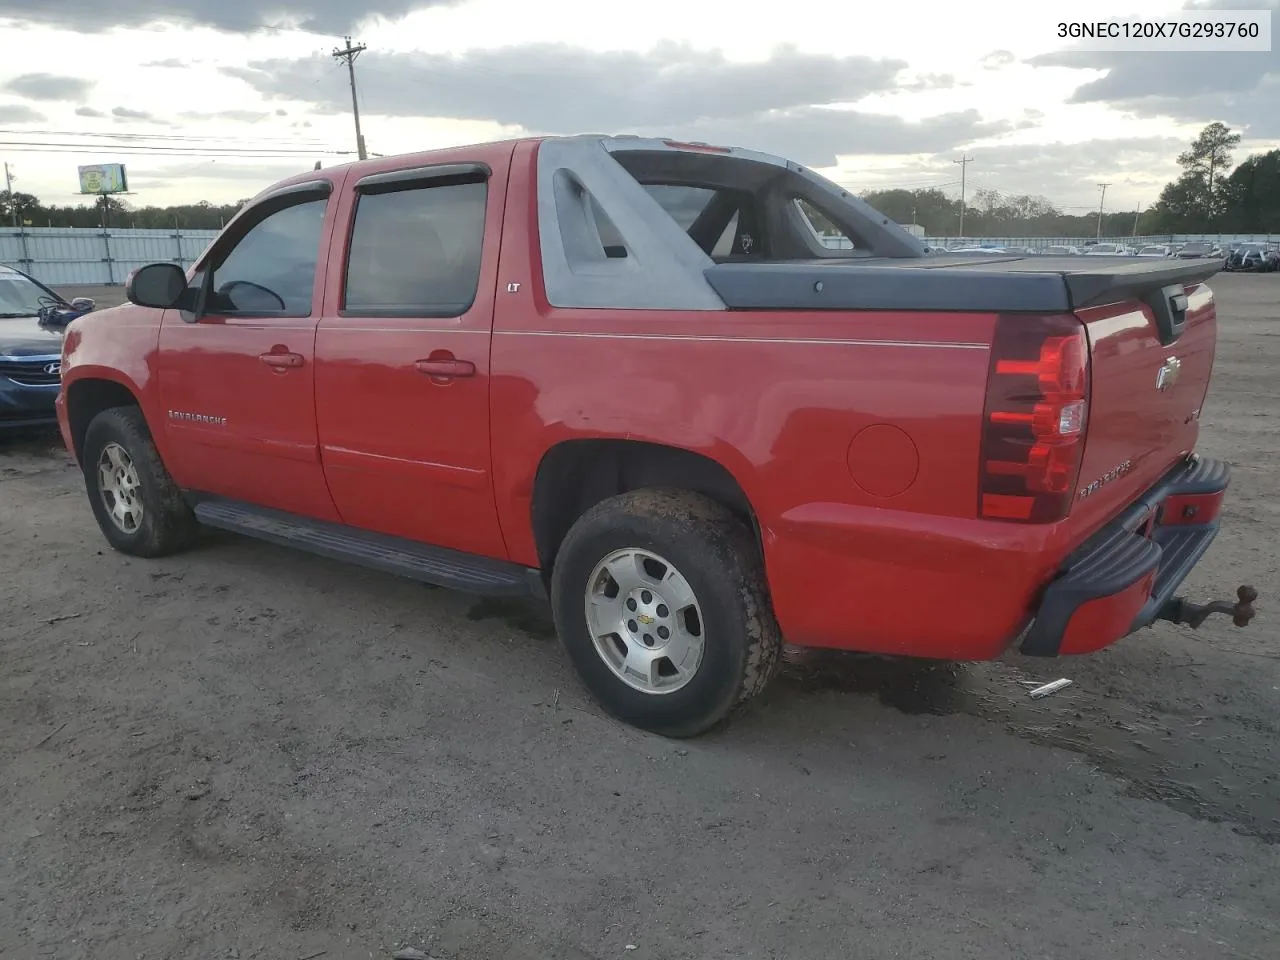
{"type": "Point", "coordinates": [702, 399]}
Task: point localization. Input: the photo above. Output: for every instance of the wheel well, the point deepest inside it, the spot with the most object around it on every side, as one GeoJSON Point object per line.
{"type": "Point", "coordinates": [577, 474]}
{"type": "Point", "coordinates": [88, 398]}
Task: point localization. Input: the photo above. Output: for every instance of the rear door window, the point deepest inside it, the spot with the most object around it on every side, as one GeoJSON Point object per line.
{"type": "Point", "coordinates": [416, 251]}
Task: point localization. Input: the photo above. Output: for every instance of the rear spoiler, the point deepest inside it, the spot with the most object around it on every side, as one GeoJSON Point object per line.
{"type": "Point", "coordinates": [1135, 281]}
{"type": "Point", "coordinates": [958, 283]}
{"type": "Point", "coordinates": [1161, 285]}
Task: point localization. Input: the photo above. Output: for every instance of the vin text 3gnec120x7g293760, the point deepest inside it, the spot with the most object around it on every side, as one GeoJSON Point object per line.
{"type": "Point", "coordinates": [638, 378]}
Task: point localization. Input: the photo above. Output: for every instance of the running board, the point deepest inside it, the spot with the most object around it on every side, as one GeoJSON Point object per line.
{"type": "Point", "coordinates": [395, 555]}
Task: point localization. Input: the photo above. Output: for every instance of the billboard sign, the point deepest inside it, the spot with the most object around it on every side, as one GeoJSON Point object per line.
{"type": "Point", "coordinates": [103, 178]}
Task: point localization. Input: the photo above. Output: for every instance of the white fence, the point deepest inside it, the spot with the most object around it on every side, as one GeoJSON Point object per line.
{"type": "Point", "coordinates": [69, 256]}
{"type": "Point", "coordinates": [1131, 242]}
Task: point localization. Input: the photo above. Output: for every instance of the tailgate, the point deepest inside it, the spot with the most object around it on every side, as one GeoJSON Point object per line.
{"type": "Point", "coordinates": [1152, 332]}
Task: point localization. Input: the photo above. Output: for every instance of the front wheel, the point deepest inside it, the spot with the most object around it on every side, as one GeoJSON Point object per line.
{"type": "Point", "coordinates": [139, 508]}
{"type": "Point", "coordinates": [660, 600]}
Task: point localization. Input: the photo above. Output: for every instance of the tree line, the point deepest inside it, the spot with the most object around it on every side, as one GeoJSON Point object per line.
{"type": "Point", "coordinates": [26, 209]}
{"type": "Point", "coordinates": [1209, 196]}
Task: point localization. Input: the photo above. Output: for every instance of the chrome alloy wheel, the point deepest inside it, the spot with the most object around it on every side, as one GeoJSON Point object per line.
{"type": "Point", "coordinates": [119, 488]}
{"type": "Point", "coordinates": [645, 621]}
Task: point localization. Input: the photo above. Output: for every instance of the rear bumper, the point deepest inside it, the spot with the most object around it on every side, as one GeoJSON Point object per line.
{"type": "Point", "coordinates": [1123, 576]}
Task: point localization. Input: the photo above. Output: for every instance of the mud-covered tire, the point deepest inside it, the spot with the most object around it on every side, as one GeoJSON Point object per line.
{"type": "Point", "coordinates": [717, 557]}
{"type": "Point", "coordinates": [167, 524]}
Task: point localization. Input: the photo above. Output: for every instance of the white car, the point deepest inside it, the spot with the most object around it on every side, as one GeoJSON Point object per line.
{"type": "Point", "coordinates": [1155, 250]}
{"type": "Point", "coordinates": [1108, 250]}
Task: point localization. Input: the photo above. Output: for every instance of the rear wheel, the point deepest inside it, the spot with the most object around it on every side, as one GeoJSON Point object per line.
{"type": "Point", "coordinates": [660, 601]}
{"type": "Point", "coordinates": [139, 508]}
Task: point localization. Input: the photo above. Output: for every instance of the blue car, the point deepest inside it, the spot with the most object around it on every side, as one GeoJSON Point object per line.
{"type": "Point", "coordinates": [32, 321]}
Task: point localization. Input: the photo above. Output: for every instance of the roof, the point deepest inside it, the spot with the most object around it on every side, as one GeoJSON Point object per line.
{"type": "Point", "coordinates": [610, 142]}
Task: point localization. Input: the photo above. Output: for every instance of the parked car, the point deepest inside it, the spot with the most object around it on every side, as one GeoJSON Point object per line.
{"type": "Point", "coordinates": [1107, 250]}
{"type": "Point", "coordinates": [1061, 250]}
{"type": "Point", "coordinates": [1197, 250]}
{"type": "Point", "coordinates": [1256, 257]}
{"type": "Point", "coordinates": [1155, 250]}
{"type": "Point", "coordinates": [509, 368]}
{"type": "Point", "coordinates": [32, 318]}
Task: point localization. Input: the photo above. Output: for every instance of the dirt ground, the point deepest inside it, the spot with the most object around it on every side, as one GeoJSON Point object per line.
{"type": "Point", "coordinates": [244, 752]}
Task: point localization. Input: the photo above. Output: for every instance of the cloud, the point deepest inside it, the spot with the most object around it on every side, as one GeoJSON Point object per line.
{"type": "Point", "coordinates": [1240, 88]}
{"type": "Point", "coordinates": [250, 178]}
{"type": "Point", "coordinates": [329, 17]}
{"type": "Point", "coordinates": [816, 136]}
{"type": "Point", "coordinates": [240, 116]}
{"type": "Point", "coordinates": [89, 112]}
{"type": "Point", "coordinates": [927, 81]}
{"type": "Point", "coordinates": [173, 63]}
{"type": "Point", "coordinates": [783, 104]}
{"type": "Point", "coordinates": [555, 87]}
{"type": "Point", "coordinates": [124, 113]}
{"type": "Point", "coordinates": [1066, 173]}
{"type": "Point", "coordinates": [19, 113]}
{"type": "Point", "coordinates": [49, 86]}
{"type": "Point", "coordinates": [997, 59]}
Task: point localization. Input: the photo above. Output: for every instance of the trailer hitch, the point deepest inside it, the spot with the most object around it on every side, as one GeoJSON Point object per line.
{"type": "Point", "coordinates": [1181, 611]}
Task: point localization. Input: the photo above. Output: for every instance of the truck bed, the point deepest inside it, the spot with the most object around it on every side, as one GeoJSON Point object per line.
{"type": "Point", "coordinates": [950, 282]}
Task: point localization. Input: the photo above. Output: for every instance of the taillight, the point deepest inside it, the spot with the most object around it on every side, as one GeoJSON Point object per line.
{"type": "Point", "coordinates": [1035, 417]}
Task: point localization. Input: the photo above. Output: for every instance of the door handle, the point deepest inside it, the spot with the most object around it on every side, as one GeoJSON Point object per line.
{"type": "Point", "coordinates": [281, 361]}
{"type": "Point", "coordinates": [446, 368]}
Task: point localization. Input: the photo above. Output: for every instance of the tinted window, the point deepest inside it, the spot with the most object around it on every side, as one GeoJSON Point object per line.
{"type": "Point", "coordinates": [273, 267]}
{"type": "Point", "coordinates": [683, 204]}
{"type": "Point", "coordinates": [417, 251]}
{"type": "Point", "coordinates": [830, 235]}
{"type": "Point", "coordinates": [724, 246]}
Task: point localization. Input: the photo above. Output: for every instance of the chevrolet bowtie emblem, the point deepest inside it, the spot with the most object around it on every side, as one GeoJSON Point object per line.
{"type": "Point", "coordinates": [1167, 375]}
{"type": "Point", "coordinates": [645, 619]}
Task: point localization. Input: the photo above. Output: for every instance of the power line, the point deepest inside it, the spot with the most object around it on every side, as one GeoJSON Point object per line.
{"type": "Point", "coordinates": [348, 55]}
{"type": "Point", "coordinates": [162, 137]}
{"type": "Point", "coordinates": [904, 185]}
{"type": "Point", "coordinates": [54, 147]}
{"type": "Point", "coordinates": [964, 162]}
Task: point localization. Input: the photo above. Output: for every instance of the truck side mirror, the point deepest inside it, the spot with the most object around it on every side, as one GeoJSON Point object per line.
{"type": "Point", "coordinates": [159, 285]}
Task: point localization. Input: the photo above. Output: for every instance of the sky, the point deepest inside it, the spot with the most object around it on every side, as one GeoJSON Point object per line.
{"type": "Point", "coordinates": [216, 101]}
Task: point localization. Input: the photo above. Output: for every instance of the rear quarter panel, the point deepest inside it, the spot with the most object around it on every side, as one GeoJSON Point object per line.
{"type": "Point", "coordinates": [854, 436]}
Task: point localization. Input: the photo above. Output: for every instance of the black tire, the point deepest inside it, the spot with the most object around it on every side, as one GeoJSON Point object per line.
{"type": "Point", "coordinates": [717, 555]}
{"type": "Point", "coordinates": [167, 524]}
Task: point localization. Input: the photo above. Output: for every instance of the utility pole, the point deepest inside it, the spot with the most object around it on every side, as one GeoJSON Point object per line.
{"type": "Point", "coordinates": [8, 185]}
{"type": "Point", "coordinates": [348, 55]}
{"type": "Point", "coordinates": [964, 162]}
{"type": "Point", "coordinates": [1103, 200]}
{"type": "Point", "coordinates": [1137, 214]}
